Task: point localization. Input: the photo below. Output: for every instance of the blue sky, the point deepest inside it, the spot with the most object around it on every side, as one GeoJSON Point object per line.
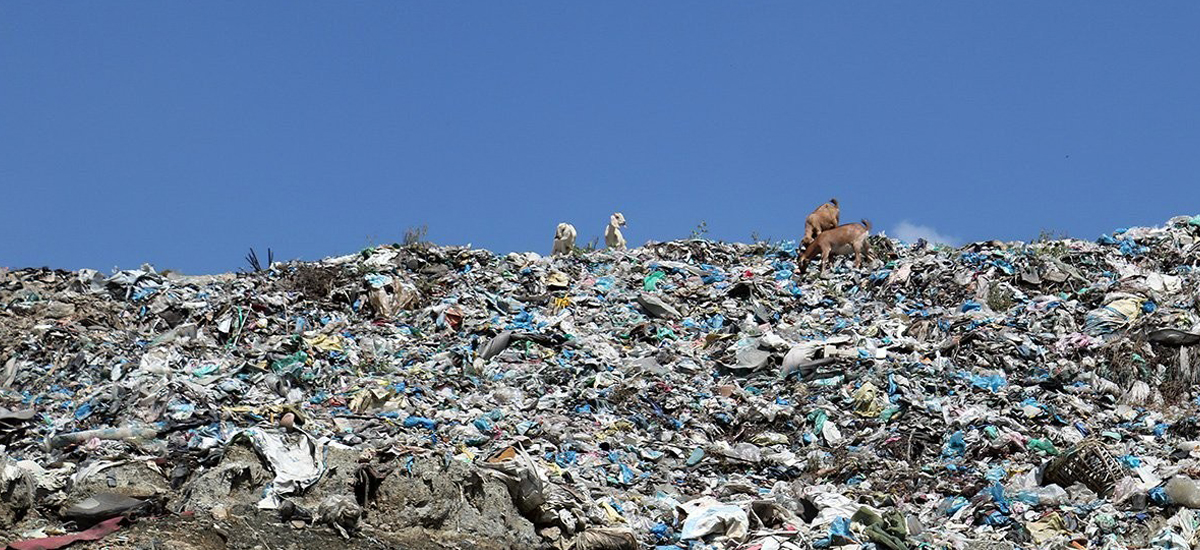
{"type": "Point", "coordinates": [182, 134]}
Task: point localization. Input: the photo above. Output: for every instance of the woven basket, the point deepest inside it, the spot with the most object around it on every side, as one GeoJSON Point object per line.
{"type": "Point", "coordinates": [1088, 463]}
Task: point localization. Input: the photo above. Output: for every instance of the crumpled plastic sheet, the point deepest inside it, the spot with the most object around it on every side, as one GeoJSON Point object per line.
{"type": "Point", "coordinates": [296, 460]}
{"type": "Point", "coordinates": [707, 517]}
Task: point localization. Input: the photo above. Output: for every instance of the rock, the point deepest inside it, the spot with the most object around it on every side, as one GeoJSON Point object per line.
{"type": "Point", "coordinates": [237, 480]}
{"type": "Point", "coordinates": [102, 506]}
{"type": "Point", "coordinates": [457, 498]}
{"type": "Point", "coordinates": [341, 513]}
{"type": "Point", "coordinates": [132, 479]}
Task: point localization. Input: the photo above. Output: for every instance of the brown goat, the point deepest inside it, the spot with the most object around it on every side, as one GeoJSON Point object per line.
{"type": "Point", "coordinates": [841, 240]}
{"type": "Point", "coordinates": [824, 218]}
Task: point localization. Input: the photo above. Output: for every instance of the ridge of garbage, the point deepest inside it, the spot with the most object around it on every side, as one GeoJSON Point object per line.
{"type": "Point", "coordinates": [685, 394]}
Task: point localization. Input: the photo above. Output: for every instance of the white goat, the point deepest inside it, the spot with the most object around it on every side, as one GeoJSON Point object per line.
{"type": "Point", "coordinates": [612, 233]}
{"type": "Point", "coordinates": [564, 239]}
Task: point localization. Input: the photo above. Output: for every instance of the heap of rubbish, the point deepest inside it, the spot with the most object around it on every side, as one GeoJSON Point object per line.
{"type": "Point", "coordinates": [687, 394]}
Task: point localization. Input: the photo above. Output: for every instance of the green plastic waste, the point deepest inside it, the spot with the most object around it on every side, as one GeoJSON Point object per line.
{"type": "Point", "coordinates": [287, 363]}
{"type": "Point", "coordinates": [818, 418]}
{"type": "Point", "coordinates": [883, 539]}
{"type": "Point", "coordinates": [1043, 445]}
{"type": "Point", "coordinates": [651, 282]}
{"type": "Point", "coordinates": [205, 370]}
{"type": "Point", "coordinates": [886, 532]}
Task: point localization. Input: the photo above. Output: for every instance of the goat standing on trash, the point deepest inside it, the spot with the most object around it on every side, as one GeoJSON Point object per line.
{"type": "Point", "coordinates": [841, 240]}
{"type": "Point", "coordinates": [612, 234]}
{"type": "Point", "coordinates": [824, 218]}
{"type": "Point", "coordinates": [564, 239]}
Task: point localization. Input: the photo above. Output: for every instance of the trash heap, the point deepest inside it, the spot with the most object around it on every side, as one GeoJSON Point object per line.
{"type": "Point", "coordinates": [687, 394]}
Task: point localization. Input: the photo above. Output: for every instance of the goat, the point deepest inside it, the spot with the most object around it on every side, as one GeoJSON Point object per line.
{"type": "Point", "coordinates": [824, 218]}
{"type": "Point", "coordinates": [612, 234]}
{"type": "Point", "coordinates": [841, 240]}
{"type": "Point", "coordinates": [564, 239]}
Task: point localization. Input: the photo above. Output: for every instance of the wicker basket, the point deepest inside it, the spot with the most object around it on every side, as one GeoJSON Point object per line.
{"type": "Point", "coordinates": [1088, 463]}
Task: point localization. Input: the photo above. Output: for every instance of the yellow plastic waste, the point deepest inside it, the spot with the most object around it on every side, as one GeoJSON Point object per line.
{"type": "Point", "coordinates": [612, 515]}
{"type": "Point", "coordinates": [326, 342]}
{"type": "Point", "coordinates": [369, 399]}
{"type": "Point", "coordinates": [866, 401]}
{"type": "Point", "coordinates": [1131, 308]}
{"type": "Point", "coordinates": [1051, 527]}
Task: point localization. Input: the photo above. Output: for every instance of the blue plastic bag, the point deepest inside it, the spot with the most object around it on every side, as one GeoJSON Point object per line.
{"type": "Point", "coordinates": [956, 445]}
{"type": "Point", "coordinates": [420, 422]}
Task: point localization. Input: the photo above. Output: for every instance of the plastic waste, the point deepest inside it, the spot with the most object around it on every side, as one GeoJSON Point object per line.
{"type": "Point", "coordinates": [656, 307]}
{"type": "Point", "coordinates": [1049, 495]}
{"type": "Point", "coordinates": [708, 517]}
{"type": "Point", "coordinates": [126, 433]}
{"type": "Point", "coordinates": [1183, 491]}
{"type": "Point", "coordinates": [1173, 337]}
{"type": "Point", "coordinates": [607, 539]}
{"type": "Point", "coordinates": [567, 401]}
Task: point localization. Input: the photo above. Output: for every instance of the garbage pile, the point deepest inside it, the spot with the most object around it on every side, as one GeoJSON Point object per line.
{"type": "Point", "coordinates": [688, 394]}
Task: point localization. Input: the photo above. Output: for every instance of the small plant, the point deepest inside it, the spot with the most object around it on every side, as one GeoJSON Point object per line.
{"type": "Point", "coordinates": [701, 230]}
{"type": "Point", "coordinates": [999, 299]}
{"type": "Point", "coordinates": [1048, 235]}
{"type": "Point", "coordinates": [591, 246]}
{"type": "Point", "coordinates": [252, 259]}
{"type": "Point", "coordinates": [758, 238]}
{"type": "Point", "coordinates": [311, 281]}
{"type": "Point", "coordinates": [1051, 243]}
{"type": "Point", "coordinates": [416, 235]}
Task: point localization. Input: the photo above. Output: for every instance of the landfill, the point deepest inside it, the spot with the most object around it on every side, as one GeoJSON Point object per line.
{"type": "Point", "coordinates": [678, 395]}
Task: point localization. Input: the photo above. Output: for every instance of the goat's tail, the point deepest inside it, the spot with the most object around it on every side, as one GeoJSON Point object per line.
{"type": "Point", "coordinates": [834, 201]}
{"type": "Point", "coordinates": [866, 223]}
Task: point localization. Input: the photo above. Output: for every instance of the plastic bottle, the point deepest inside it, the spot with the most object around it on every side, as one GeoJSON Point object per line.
{"type": "Point", "coordinates": [125, 434]}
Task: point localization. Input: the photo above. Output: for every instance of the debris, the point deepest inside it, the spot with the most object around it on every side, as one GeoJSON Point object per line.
{"type": "Point", "coordinates": [707, 517]}
{"type": "Point", "coordinates": [1174, 338]}
{"type": "Point", "coordinates": [127, 433]}
{"type": "Point", "coordinates": [601, 538]}
{"type": "Point", "coordinates": [101, 506]}
{"type": "Point", "coordinates": [1089, 463]}
{"type": "Point", "coordinates": [341, 513]}
{"type": "Point", "coordinates": [656, 307]}
{"type": "Point", "coordinates": [98, 532]}
{"type": "Point", "coordinates": [1183, 491]}
{"type": "Point", "coordinates": [686, 392]}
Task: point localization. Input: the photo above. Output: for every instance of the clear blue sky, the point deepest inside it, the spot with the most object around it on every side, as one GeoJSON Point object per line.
{"type": "Point", "coordinates": [183, 133]}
